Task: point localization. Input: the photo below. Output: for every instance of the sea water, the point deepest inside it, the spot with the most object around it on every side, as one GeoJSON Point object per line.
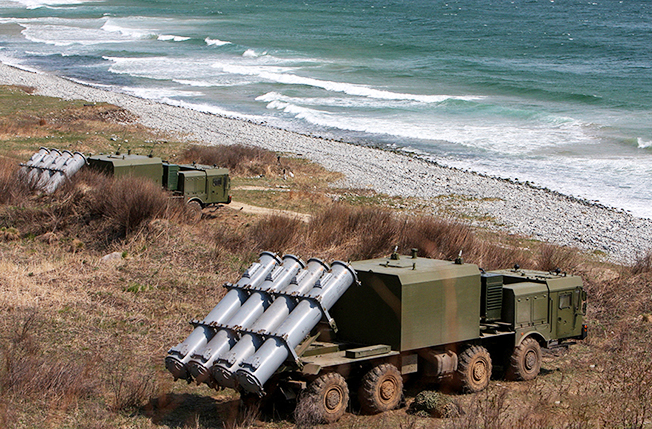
{"type": "Point", "coordinates": [557, 93]}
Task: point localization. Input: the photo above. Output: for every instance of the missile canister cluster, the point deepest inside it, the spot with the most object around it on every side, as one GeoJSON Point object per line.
{"type": "Point", "coordinates": [259, 322]}
{"type": "Point", "coordinates": [48, 169]}
{"type": "Point", "coordinates": [258, 301]}
{"type": "Point", "coordinates": [178, 357]}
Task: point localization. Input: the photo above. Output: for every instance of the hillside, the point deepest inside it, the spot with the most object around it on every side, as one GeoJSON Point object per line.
{"type": "Point", "coordinates": [84, 338]}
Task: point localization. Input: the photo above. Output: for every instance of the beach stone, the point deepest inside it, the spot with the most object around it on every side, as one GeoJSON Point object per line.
{"type": "Point", "coordinates": [111, 257]}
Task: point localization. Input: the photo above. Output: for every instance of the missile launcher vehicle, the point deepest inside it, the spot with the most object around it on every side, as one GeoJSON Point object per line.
{"type": "Point", "coordinates": [315, 333]}
{"type": "Point", "coordinates": [201, 185]}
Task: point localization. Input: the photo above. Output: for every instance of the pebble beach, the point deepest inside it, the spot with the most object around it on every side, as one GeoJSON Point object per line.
{"type": "Point", "coordinates": [513, 207]}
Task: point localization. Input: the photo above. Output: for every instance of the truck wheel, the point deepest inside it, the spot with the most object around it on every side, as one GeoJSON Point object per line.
{"type": "Point", "coordinates": [474, 369]}
{"type": "Point", "coordinates": [194, 210]}
{"type": "Point", "coordinates": [324, 401]}
{"type": "Point", "coordinates": [525, 361]}
{"type": "Point", "coordinates": [381, 389]}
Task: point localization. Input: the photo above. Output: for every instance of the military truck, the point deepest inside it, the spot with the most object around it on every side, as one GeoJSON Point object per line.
{"type": "Point", "coordinates": [314, 333]}
{"type": "Point", "coordinates": [199, 185]}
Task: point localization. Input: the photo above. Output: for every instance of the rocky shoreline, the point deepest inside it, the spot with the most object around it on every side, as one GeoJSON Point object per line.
{"type": "Point", "coordinates": [516, 208]}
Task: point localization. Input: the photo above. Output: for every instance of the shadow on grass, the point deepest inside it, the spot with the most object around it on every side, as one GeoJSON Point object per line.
{"type": "Point", "coordinates": [189, 410]}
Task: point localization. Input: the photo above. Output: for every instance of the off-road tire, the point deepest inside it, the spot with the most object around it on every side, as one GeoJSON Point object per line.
{"type": "Point", "coordinates": [324, 401]}
{"type": "Point", "coordinates": [381, 389]}
{"type": "Point", "coordinates": [473, 369]}
{"type": "Point", "coordinates": [525, 361]}
{"type": "Point", "coordinates": [194, 210]}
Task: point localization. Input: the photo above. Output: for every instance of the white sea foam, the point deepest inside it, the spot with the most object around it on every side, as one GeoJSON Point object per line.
{"type": "Point", "coordinates": [644, 144]}
{"type": "Point", "coordinates": [64, 35]}
{"type": "Point", "coordinates": [498, 137]}
{"type": "Point", "coordinates": [35, 4]}
{"type": "Point", "coordinates": [344, 101]}
{"type": "Point", "coordinates": [160, 94]}
{"type": "Point", "coordinates": [278, 75]}
{"type": "Point", "coordinates": [250, 53]}
{"type": "Point", "coordinates": [216, 42]}
{"type": "Point", "coordinates": [197, 73]}
{"type": "Point", "coordinates": [168, 37]}
{"type": "Point", "coordinates": [111, 26]}
{"type": "Point", "coordinates": [209, 108]}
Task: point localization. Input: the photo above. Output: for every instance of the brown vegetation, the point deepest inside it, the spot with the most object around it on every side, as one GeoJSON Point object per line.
{"type": "Point", "coordinates": [239, 159]}
{"type": "Point", "coordinates": [82, 341]}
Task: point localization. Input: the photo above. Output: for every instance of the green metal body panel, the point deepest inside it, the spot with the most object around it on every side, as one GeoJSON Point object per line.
{"type": "Point", "coordinates": [410, 303]}
{"type": "Point", "coordinates": [492, 297]}
{"type": "Point", "coordinates": [525, 306]}
{"type": "Point", "coordinates": [208, 184]}
{"type": "Point", "coordinates": [170, 176]}
{"type": "Point", "coordinates": [129, 165]}
{"type": "Point", "coordinates": [550, 304]}
{"type": "Point", "coordinates": [219, 185]}
{"type": "Point", "coordinates": [192, 184]}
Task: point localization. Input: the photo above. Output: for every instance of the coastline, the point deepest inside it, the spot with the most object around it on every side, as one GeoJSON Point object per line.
{"type": "Point", "coordinates": [513, 207]}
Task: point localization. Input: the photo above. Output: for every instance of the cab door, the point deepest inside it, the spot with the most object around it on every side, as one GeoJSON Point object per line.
{"type": "Point", "coordinates": [565, 314]}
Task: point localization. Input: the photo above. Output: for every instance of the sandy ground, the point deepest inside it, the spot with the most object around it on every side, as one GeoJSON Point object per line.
{"type": "Point", "coordinates": [516, 208]}
{"type": "Point", "coordinates": [248, 208]}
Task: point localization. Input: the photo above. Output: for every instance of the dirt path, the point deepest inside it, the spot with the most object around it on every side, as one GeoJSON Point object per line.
{"type": "Point", "coordinates": [247, 208]}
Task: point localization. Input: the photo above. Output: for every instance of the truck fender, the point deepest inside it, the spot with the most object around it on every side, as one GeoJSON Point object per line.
{"type": "Point", "coordinates": [196, 200]}
{"type": "Point", "coordinates": [535, 335]}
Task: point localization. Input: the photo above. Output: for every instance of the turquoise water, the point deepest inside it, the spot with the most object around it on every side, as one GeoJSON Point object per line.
{"type": "Point", "coordinates": [558, 93]}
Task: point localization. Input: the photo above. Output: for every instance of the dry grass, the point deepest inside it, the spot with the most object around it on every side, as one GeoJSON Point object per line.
{"type": "Point", "coordinates": [643, 264]}
{"type": "Point", "coordinates": [12, 190]}
{"type": "Point", "coordinates": [82, 341]}
{"type": "Point", "coordinates": [348, 232]}
{"type": "Point", "coordinates": [239, 159]}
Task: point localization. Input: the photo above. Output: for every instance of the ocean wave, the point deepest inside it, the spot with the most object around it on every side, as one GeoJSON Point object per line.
{"type": "Point", "coordinates": [341, 102]}
{"type": "Point", "coordinates": [111, 26]}
{"type": "Point", "coordinates": [35, 4]}
{"type": "Point", "coordinates": [250, 53]}
{"type": "Point", "coordinates": [64, 35]}
{"type": "Point", "coordinates": [197, 73]}
{"type": "Point", "coordinates": [166, 38]}
{"type": "Point", "coordinates": [216, 42]}
{"type": "Point", "coordinates": [489, 137]}
{"type": "Point", "coordinates": [644, 144]}
{"type": "Point", "coordinates": [278, 75]}
{"type": "Point", "coordinates": [160, 94]}
{"type": "Point", "coordinates": [209, 108]}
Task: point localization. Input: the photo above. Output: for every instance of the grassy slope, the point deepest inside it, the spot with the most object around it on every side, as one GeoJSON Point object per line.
{"type": "Point", "coordinates": [82, 341]}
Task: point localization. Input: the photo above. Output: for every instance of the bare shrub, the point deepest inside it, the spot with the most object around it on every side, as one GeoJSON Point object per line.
{"type": "Point", "coordinates": [306, 414]}
{"type": "Point", "coordinates": [434, 404]}
{"type": "Point", "coordinates": [231, 240]}
{"type": "Point", "coordinates": [551, 258]}
{"type": "Point", "coordinates": [492, 256]}
{"type": "Point", "coordinates": [377, 230]}
{"type": "Point", "coordinates": [240, 159]}
{"type": "Point", "coordinates": [130, 386]}
{"type": "Point", "coordinates": [356, 232]}
{"type": "Point", "coordinates": [627, 397]}
{"type": "Point", "coordinates": [249, 411]}
{"type": "Point", "coordinates": [643, 264]}
{"type": "Point", "coordinates": [438, 238]}
{"type": "Point", "coordinates": [12, 190]}
{"type": "Point", "coordinates": [488, 410]}
{"type": "Point", "coordinates": [127, 203]}
{"type": "Point", "coordinates": [276, 232]}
